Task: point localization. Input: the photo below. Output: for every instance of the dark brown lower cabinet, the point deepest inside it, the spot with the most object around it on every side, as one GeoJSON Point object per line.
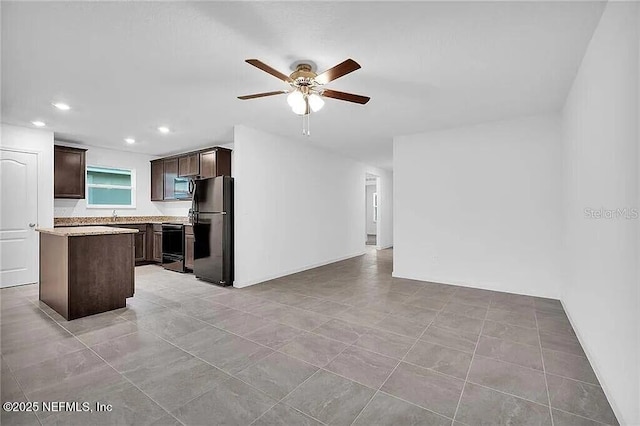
{"type": "Point", "coordinates": [157, 243]}
{"type": "Point", "coordinates": [139, 240]}
{"type": "Point", "coordinates": [188, 247]}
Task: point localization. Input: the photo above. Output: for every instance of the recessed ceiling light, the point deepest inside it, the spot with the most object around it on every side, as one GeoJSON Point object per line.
{"type": "Point", "coordinates": [163, 129]}
{"type": "Point", "coordinates": [61, 106]}
{"type": "Point", "coordinates": [130, 140]}
{"type": "Point", "coordinates": [38, 123]}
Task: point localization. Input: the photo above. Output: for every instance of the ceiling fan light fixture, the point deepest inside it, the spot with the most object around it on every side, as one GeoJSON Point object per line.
{"type": "Point", "coordinates": [315, 102]}
{"type": "Point", "coordinates": [296, 99]}
{"type": "Point", "coordinates": [300, 108]}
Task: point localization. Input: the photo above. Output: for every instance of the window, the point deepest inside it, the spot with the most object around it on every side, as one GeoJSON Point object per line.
{"type": "Point", "coordinates": [110, 188]}
{"type": "Point", "coordinates": [375, 207]}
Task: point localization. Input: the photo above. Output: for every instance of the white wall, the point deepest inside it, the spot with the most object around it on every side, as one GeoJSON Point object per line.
{"type": "Point", "coordinates": [480, 206]}
{"type": "Point", "coordinates": [371, 226]}
{"type": "Point", "coordinates": [296, 206]}
{"type": "Point", "coordinates": [128, 160]}
{"type": "Point", "coordinates": [40, 142]}
{"type": "Point", "coordinates": [600, 138]}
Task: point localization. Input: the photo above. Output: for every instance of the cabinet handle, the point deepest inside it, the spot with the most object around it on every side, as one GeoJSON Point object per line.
{"type": "Point", "coordinates": [31, 225]}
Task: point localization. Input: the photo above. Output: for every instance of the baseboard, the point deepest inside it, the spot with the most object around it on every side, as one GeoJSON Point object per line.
{"type": "Point", "coordinates": [237, 284]}
{"type": "Point", "coordinates": [473, 285]}
{"type": "Point", "coordinates": [384, 247]}
{"type": "Point", "coordinates": [594, 366]}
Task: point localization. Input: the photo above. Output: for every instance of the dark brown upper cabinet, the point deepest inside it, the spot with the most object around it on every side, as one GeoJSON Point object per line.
{"type": "Point", "coordinates": [206, 163]}
{"type": "Point", "coordinates": [69, 172]}
{"type": "Point", "coordinates": [170, 174]}
{"type": "Point", "coordinates": [189, 165]}
{"type": "Point", "coordinates": [215, 162]}
{"type": "Point", "coordinates": [157, 180]}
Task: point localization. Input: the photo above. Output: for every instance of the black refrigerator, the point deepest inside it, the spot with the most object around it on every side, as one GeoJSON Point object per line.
{"type": "Point", "coordinates": [212, 219]}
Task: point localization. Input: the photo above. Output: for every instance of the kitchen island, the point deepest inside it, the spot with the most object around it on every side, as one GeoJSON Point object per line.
{"type": "Point", "coordinates": [85, 270]}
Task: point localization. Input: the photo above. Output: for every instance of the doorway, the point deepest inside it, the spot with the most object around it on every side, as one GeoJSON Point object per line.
{"type": "Point", "coordinates": [371, 210]}
{"type": "Point", "coordinates": [18, 218]}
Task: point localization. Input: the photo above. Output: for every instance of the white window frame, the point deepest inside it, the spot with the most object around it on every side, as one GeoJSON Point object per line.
{"type": "Point", "coordinates": [112, 206]}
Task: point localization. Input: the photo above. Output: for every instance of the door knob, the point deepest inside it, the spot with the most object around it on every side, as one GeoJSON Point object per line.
{"type": "Point", "coordinates": [31, 225]}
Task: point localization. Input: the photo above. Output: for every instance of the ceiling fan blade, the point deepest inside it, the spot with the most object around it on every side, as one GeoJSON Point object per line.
{"type": "Point", "coordinates": [349, 97]}
{"type": "Point", "coordinates": [262, 95]}
{"type": "Point", "coordinates": [338, 71]}
{"type": "Point", "coordinates": [266, 68]}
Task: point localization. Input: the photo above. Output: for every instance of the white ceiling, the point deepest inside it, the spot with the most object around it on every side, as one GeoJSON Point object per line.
{"type": "Point", "coordinates": [127, 67]}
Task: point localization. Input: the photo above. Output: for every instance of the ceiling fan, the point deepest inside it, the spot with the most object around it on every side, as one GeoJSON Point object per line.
{"type": "Point", "coordinates": [306, 91]}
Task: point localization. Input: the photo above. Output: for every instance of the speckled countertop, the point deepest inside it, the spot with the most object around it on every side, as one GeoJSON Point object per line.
{"type": "Point", "coordinates": [77, 231]}
{"type": "Point", "coordinates": [108, 220]}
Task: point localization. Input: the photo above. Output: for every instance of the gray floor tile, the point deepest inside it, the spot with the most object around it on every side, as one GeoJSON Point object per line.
{"type": "Point", "coordinates": [282, 415]}
{"type": "Point", "coordinates": [403, 325]}
{"type": "Point", "coordinates": [274, 335]}
{"type": "Point", "coordinates": [455, 339]}
{"type": "Point", "coordinates": [472, 311]}
{"type": "Point", "coordinates": [517, 317]}
{"type": "Point", "coordinates": [385, 410]}
{"type": "Point", "coordinates": [230, 403]}
{"type": "Point", "coordinates": [363, 366]}
{"type": "Point", "coordinates": [512, 333]}
{"type": "Point", "coordinates": [385, 343]}
{"type": "Point", "coordinates": [230, 353]}
{"type": "Point", "coordinates": [416, 313]}
{"type": "Point", "coordinates": [59, 371]}
{"type": "Point", "coordinates": [119, 327]}
{"type": "Point", "coordinates": [179, 381]}
{"type": "Point", "coordinates": [343, 331]}
{"type": "Point", "coordinates": [571, 366]}
{"type": "Point", "coordinates": [299, 318]}
{"type": "Point", "coordinates": [428, 389]}
{"type": "Point", "coordinates": [140, 355]}
{"type": "Point", "coordinates": [169, 325]}
{"type": "Point", "coordinates": [314, 349]}
{"type": "Point", "coordinates": [330, 398]}
{"type": "Point", "coordinates": [129, 407]}
{"type": "Point", "coordinates": [561, 418]}
{"type": "Point", "coordinates": [458, 322]}
{"type": "Point", "coordinates": [240, 323]}
{"type": "Point", "coordinates": [440, 358]}
{"type": "Point", "coordinates": [505, 350]}
{"type": "Point", "coordinates": [277, 374]}
{"type": "Point", "coordinates": [427, 302]}
{"type": "Point", "coordinates": [364, 317]}
{"type": "Point", "coordinates": [41, 351]}
{"type": "Point", "coordinates": [510, 378]}
{"type": "Point", "coordinates": [561, 343]}
{"type": "Point", "coordinates": [482, 406]}
{"type": "Point", "coordinates": [580, 398]}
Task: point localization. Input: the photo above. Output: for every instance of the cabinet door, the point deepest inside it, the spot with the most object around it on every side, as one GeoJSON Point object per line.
{"type": "Point", "coordinates": [189, 165]}
{"type": "Point", "coordinates": [207, 164]}
{"type": "Point", "coordinates": [157, 180]}
{"type": "Point", "coordinates": [170, 173]}
{"type": "Point", "coordinates": [141, 246]}
{"type": "Point", "coordinates": [69, 172]}
{"type": "Point", "coordinates": [188, 251]}
{"type": "Point", "coordinates": [157, 246]}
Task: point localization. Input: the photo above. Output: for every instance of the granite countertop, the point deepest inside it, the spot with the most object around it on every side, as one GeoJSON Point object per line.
{"type": "Point", "coordinates": [77, 231]}
{"type": "Point", "coordinates": [120, 220]}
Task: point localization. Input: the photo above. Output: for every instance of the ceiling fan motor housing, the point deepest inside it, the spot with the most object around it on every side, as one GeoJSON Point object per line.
{"type": "Point", "coordinates": [303, 76]}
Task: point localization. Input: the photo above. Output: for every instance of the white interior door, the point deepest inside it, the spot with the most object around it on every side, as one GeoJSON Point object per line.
{"type": "Point", "coordinates": [18, 218]}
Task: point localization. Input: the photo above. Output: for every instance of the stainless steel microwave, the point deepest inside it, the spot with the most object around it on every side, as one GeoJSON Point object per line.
{"type": "Point", "coordinates": [183, 188]}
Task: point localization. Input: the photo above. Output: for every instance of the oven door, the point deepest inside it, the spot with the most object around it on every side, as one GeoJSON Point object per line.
{"type": "Point", "coordinates": [173, 247]}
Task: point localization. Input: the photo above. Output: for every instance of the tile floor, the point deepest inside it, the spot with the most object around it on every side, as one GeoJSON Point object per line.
{"type": "Point", "coordinates": [341, 344]}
